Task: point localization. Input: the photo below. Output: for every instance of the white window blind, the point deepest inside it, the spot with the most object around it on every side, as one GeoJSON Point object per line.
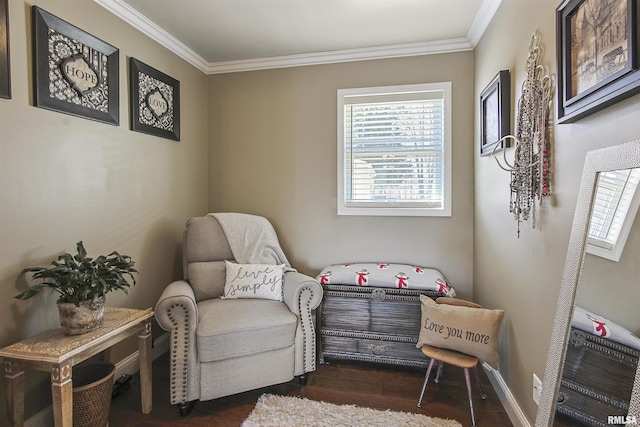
{"type": "Point", "coordinates": [614, 209]}
{"type": "Point", "coordinates": [394, 150]}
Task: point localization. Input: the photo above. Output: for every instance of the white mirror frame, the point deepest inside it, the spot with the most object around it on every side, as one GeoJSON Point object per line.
{"type": "Point", "coordinates": [623, 156]}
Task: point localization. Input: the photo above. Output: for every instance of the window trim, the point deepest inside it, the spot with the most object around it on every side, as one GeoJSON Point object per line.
{"type": "Point", "coordinates": [390, 209]}
{"type": "Point", "coordinates": [613, 252]}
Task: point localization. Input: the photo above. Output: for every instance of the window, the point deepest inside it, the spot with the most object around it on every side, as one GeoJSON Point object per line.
{"type": "Point", "coordinates": [394, 150]}
{"type": "Point", "coordinates": [614, 210]}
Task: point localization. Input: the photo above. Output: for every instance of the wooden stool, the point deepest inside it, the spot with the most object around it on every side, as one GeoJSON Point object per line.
{"type": "Point", "coordinates": [458, 359]}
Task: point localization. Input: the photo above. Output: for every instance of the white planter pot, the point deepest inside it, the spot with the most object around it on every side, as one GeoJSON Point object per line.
{"type": "Point", "coordinates": [88, 317]}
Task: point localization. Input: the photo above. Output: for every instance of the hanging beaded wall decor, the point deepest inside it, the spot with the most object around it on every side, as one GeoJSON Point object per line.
{"type": "Point", "coordinates": [530, 169]}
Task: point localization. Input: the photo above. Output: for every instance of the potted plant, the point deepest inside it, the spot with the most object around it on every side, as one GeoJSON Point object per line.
{"type": "Point", "coordinates": [82, 283]}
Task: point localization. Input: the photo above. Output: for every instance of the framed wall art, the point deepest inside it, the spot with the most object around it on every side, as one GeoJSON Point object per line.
{"type": "Point", "coordinates": [5, 68]}
{"type": "Point", "coordinates": [155, 101]}
{"type": "Point", "coordinates": [597, 48]}
{"type": "Point", "coordinates": [74, 72]}
{"type": "Point", "coordinates": [495, 113]}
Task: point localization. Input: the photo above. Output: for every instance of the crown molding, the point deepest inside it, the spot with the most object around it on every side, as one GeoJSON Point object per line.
{"type": "Point", "coordinates": [348, 55]}
{"type": "Point", "coordinates": [483, 18]}
{"type": "Point", "coordinates": [140, 22]}
{"type": "Point", "coordinates": [149, 28]}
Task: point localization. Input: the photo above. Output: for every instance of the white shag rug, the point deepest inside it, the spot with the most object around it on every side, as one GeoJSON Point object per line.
{"type": "Point", "coordinates": [289, 411]}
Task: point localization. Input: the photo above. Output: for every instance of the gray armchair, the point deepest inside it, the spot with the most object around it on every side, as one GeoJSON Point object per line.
{"type": "Point", "coordinates": [223, 346]}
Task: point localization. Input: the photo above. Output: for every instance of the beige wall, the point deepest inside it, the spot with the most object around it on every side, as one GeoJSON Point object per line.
{"type": "Point", "coordinates": [273, 153]}
{"type": "Point", "coordinates": [65, 179]}
{"type": "Point", "coordinates": [523, 275]}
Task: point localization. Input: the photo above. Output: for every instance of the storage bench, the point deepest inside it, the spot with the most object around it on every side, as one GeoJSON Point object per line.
{"type": "Point", "coordinates": [371, 324]}
{"type": "Point", "coordinates": [371, 312]}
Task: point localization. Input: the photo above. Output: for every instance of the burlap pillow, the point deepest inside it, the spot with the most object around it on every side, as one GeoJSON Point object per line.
{"type": "Point", "coordinates": [468, 330]}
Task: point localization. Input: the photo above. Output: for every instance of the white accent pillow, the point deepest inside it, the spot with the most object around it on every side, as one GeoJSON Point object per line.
{"type": "Point", "coordinates": [263, 281]}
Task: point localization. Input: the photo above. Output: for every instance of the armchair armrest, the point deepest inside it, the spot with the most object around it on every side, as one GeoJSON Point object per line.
{"type": "Point", "coordinates": [301, 290]}
{"type": "Point", "coordinates": [303, 294]}
{"type": "Point", "coordinates": [178, 292]}
{"type": "Point", "coordinates": [176, 311]}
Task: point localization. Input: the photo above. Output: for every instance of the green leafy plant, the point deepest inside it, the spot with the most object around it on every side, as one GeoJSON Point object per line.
{"type": "Point", "coordinates": [80, 278]}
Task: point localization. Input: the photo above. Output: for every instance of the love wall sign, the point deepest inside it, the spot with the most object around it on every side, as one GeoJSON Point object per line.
{"type": "Point", "coordinates": [472, 331]}
{"type": "Point", "coordinates": [155, 101]}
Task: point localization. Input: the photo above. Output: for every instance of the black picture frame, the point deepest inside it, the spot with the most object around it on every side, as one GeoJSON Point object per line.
{"type": "Point", "coordinates": [5, 67]}
{"type": "Point", "coordinates": [597, 55]}
{"type": "Point", "coordinates": [495, 114]}
{"type": "Point", "coordinates": [74, 72]}
{"type": "Point", "coordinates": [154, 101]}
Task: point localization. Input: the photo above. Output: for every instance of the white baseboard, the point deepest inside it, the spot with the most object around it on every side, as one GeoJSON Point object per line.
{"type": "Point", "coordinates": [129, 365]}
{"type": "Point", "coordinates": [509, 402]}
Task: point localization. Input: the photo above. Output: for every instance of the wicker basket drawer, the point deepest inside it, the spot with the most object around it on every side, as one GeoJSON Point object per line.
{"type": "Point", "coordinates": [597, 378]}
{"type": "Point", "coordinates": [600, 364]}
{"type": "Point", "coordinates": [587, 406]}
{"type": "Point", "coordinates": [340, 344]}
{"type": "Point", "coordinates": [391, 317]}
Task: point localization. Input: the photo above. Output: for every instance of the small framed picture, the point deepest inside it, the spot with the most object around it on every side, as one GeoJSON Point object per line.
{"type": "Point", "coordinates": [74, 72]}
{"type": "Point", "coordinates": [597, 48]}
{"type": "Point", "coordinates": [155, 101]}
{"type": "Point", "coordinates": [495, 114]}
{"type": "Point", "coordinates": [5, 68]}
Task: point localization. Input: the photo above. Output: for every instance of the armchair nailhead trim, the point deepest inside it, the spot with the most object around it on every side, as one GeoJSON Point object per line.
{"type": "Point", "coordinates": [179, 387]}
{"type": "Point", "coordinates": [305, 334]}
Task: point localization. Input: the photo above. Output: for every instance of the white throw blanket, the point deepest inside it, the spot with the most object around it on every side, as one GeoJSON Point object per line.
{"type": "Point", "coordinates": [251, 238]}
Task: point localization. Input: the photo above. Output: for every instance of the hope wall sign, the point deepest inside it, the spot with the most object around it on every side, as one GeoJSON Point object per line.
{"type": "Point", "coordinates": [74, 72]}
{"type": "Point", "coordinates": [79, 74]}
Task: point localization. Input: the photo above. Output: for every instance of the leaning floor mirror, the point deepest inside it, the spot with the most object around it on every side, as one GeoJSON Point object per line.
{"type": "Point", "coordinates": [591, 376]}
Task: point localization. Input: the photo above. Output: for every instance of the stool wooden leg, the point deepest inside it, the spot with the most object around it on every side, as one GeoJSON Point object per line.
{"type": "Point", "coordinates": [426, 379]}
{"type": "Point", "coordinates": [483, 395]}
{"type": "Point", "coordinates": [468, 381]}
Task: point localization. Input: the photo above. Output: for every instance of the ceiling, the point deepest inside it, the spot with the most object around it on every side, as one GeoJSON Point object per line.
{"type": "Point", "coordinates": [220, 36]}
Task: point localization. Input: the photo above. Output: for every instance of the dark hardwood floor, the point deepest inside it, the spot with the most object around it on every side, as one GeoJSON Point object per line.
{"type": "Point", "coordinates": [362, 384]}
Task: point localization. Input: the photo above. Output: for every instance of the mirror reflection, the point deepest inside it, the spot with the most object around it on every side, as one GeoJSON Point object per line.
{"type": "Point", "coordinates": [603, 347]}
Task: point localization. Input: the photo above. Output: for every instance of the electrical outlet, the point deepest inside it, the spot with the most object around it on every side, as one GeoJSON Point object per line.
{"type": "Point", "coordinates": [537, 389]}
